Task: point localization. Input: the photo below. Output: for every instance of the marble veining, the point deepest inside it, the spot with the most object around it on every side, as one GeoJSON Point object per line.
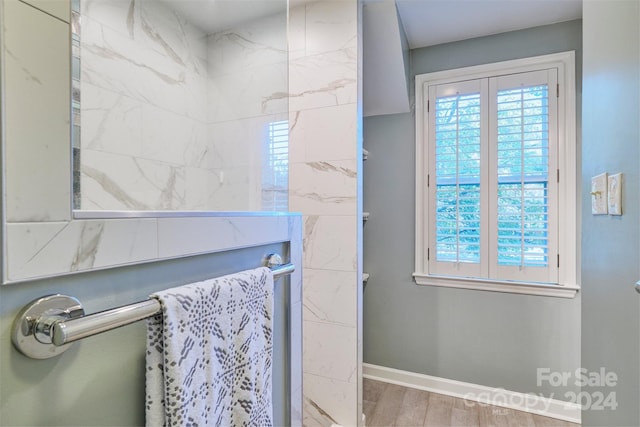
{"type": "Point", "coordinates": [336, 138]}
{"type": "Point", "coordinates": [45, 249]}
{"type": "Point", "coordinates": [314, 196]}
{"type": "Point", "coordinates": [329, 296]}
{"type": "Point", "coordinates": [319, 415]}
{"type": "Point", "coordinates": [87, 246]}
{"type": "Point", "coordinates": [328, 167]}
{"type": "Point", "coordinates": [324, 165]}
{"type": "Point", "coordinates": [113, 55]}
{"type": "Point", "coordinates": [155, 36]}
{"type": "Point", "coordinates": [293, 120]}
{"type": "Point", "coordinates": [112, 188]}
{"type": "Point", "coordinates": [336, 398]}
{"type": "Point", "coordinates": [323, 80]}
{"type": "Point", "coordinates": [326, 244]}
{"type": "Point", "coordinates": [251, 45]}
{"type": "Point", "coordinates": [330, 350]}
{"type": "Point", "coordinates": [197, 115]}
{"type": "Point", "coordinates": [330, 88]}
{"type": "Point", "coordinates": [310, 223]}
{"type": "Point", "coordinates": [267, 100]}
{"type": "Point", "coordinates": [25, 71]}
{"type": "Point", "coordinates": [324, 187]}
{"type": "Point", "coordinates": [39, 247]}
{"type": "Point", "coordinates": [158, 186]}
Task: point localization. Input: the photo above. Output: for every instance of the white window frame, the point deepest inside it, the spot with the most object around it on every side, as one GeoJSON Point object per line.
{"type": "Point", "coordinates": [568, 220]}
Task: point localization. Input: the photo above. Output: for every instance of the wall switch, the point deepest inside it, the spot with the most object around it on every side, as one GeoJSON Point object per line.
{"type": "Point", "coordinates": [599, 194]}
{"type": "Point", "coordinates": [614, 189]}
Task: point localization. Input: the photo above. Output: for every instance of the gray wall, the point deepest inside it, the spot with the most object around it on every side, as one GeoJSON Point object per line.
{"type": "Point", "coordinates": [492, 339]}
{"type": "Point", "coordinates": [100, 380]}
{"type": "Point", "coordinates": [611, 245]}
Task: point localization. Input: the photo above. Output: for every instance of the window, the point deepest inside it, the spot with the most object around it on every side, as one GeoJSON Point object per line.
{"type": "Point", "coordinates": [275, 171]}
{"type": "Point", "coordinates": [496, 177]}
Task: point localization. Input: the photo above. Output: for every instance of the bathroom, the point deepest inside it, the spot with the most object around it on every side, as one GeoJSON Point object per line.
{"type": "Point", "coordinates": [343, 324]}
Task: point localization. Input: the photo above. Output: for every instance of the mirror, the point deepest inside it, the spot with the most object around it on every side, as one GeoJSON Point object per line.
{"type": "Point", "coordinates": [179, 105]}
{"type": "Point", "coordinates": [42, 235]}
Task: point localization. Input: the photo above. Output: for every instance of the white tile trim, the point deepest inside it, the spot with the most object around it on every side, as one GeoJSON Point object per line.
{"type": "Point", "coordinates": [534, 404]}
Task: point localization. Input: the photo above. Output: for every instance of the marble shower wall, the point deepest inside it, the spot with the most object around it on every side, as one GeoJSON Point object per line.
{"type": "Point", "coordinates": [325, 160]}
{"type": "Point", "coordinates": [173, 118]}
{"type": "Point", "coordinates": [247, 85]}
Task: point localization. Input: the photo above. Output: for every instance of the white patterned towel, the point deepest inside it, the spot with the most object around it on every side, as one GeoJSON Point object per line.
{"type": "Point", "coordinates": [209, 354]}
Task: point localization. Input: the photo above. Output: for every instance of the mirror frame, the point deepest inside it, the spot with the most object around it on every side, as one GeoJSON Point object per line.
{"type": "Point", "coordinates": [42, 235]}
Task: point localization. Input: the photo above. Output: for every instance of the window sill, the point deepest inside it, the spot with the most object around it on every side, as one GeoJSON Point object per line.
{"type": "Point", "coordinates": [549, 290]}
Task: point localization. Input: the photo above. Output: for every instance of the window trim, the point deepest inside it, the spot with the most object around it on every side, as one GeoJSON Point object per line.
{"type": "Point", "coordinates": [568, 220]}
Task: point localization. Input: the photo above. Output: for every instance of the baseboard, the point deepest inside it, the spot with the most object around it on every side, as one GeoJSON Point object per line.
{"type": "Point", "coordinates": [547, 407]}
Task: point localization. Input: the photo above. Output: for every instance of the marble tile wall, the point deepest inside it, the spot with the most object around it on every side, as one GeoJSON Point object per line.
{"type": "Point", "coordinates": [223, 149]}
{"type": "Point", "coordinates": [180, 123]}
{"type": "Point", "coordinates": [247, 68]}
{"type": "Point", "coordinates": [324, 185]}
{"type": "Point", "coordinates": [143, 105]}
{"type": "Point", "coordinates": [36, 176]}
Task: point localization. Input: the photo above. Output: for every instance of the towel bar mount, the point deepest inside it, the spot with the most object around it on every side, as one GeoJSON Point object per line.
{"type": "Point", "coordinates": [47, 326]}
{"type": "Point", "coordinates": [31, 333]}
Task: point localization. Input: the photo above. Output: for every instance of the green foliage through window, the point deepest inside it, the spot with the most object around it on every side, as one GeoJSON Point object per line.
{"type": "Point", "coordinates": [458, 178]}
{"type": "Point", "coordinates": [522, 156]}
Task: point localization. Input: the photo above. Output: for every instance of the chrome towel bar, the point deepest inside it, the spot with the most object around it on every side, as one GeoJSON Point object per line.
{"type": "Point", "coordinates": [45, 327]}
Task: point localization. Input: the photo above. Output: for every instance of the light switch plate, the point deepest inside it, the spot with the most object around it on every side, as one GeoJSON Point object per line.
{"type": "Point", "coordinates": [599, 194]}
{"type": "Point", "coordinates": [614, 190]}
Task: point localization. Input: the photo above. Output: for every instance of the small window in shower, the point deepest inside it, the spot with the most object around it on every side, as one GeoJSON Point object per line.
{"type": "Point", "coordinates": [275, 172]}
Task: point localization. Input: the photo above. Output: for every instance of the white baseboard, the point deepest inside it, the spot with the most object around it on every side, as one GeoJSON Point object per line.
{"type": "Point", "coordinates": [535, 404]}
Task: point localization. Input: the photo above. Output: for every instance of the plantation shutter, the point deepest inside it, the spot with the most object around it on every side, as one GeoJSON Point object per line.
{"type": "Point", "coordinates": [492, 178]}
{"type": "Point", "coordinates": [523, 205]}
{"type": "Point", "coordinates": [456, 187]}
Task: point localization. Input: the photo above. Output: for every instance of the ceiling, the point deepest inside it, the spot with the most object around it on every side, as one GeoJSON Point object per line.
{"type": "Point", "coordinates": [431, 22]}
{"type": "Point", "coordinates": [212, 16]}
{"type": "Point", "coordinates": [426, 22]}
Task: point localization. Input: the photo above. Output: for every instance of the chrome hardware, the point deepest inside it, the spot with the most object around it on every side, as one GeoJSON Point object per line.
{"type": "Point", "coordinates": [638, 286]}
{"type": "Point", "coordinates": [31, 332]}
{"type": "Point", "coordinates": [275, 263]}
{"type": "Point", "coordinates": [47, 326]}
{"type": "Point", "coordinates": [63, 333]}
{"type": "Point", "coordinates": [272, 260]}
